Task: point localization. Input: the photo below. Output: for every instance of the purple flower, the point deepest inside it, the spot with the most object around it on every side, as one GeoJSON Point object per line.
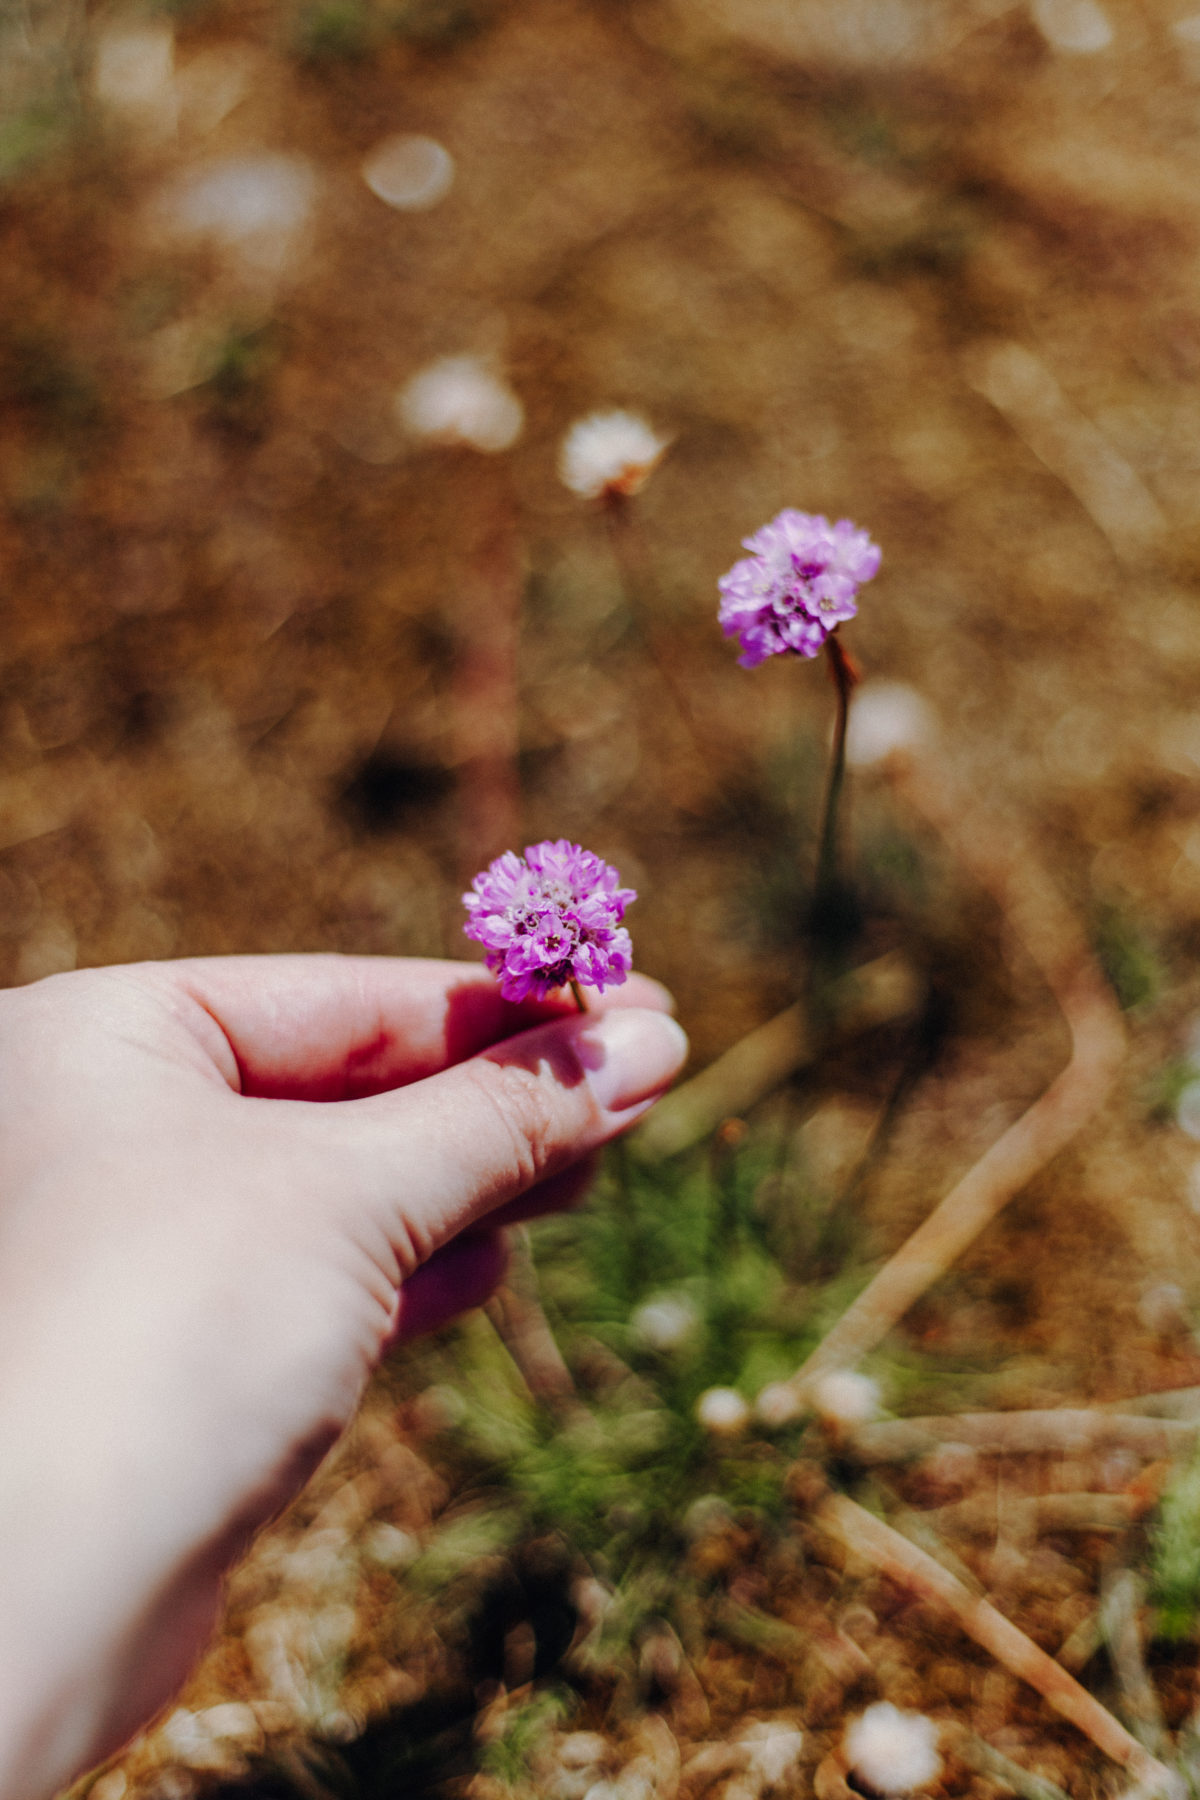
{"type": "Point", "coordinates": [551, 917]}
{"type": "Point", "coordinates": [797, 587]}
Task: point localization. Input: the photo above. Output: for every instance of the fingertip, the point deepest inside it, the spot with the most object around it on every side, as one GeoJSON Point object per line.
{"type": "Point", "coordinates": [645, 991]}
{"type": "Point", "coordinates": [631, 1055]}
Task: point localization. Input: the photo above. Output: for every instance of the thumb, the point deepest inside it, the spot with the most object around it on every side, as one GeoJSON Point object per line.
{"type": "Point", "coordinates": [430, 1160]}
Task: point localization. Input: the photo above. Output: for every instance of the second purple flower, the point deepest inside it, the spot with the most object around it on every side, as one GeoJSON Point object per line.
{"type": "Point", "coordinates": [797, 587]}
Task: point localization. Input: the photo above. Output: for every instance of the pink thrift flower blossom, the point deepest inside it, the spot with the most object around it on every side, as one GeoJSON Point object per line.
{"type": "Point", "coordinates": [797, 587]}
{"type": "Point", "coordinates": [551, 917]}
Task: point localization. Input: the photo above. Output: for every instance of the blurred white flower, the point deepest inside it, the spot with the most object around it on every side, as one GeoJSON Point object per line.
{"type": "Point", "coordinates": [254, 207]}
{"type": "Point", "coordinates": [439, 1408]}
{"type": "Point", "coordinates": [1077, 27]}
{"type": "Point", "coordinates": [457, 400]}
{"type": "Point", "coordinates": [133, 73]}
{"type": "Point", "coordinates": [722, 1411]}
{"type": "Point", "coordinates": [213, 1737]}
{"type": "Point", "coordinates": [775, 1750]}
{"type": "Point", "coordinates": [707, 1514]}
{"type": "Point", "coordinates": [582, 1749]}
{"type": "Point", "coordinates": [846, 1398]}
{"type": "Point", "coordinates": [895, 1752]}
{"type": "Point", "coordinates": [886, 716]}
{"type": "Point", "coordinates": [666, 1323]}
{"type": "Point", "coordinates": [776, 1405]}
{"type": "Point", "coordinates": [390, 1545]}
{"type": "Point", "coordinates": [612, 452]}
{"type": "Point", "coordinates": [408, 172]}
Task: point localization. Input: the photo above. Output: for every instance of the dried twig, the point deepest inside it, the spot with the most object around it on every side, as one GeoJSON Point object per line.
{"type": "Point", "coordinates": [1079, 1646]}
{"type": "Point", "coordinates": [1001, 1769]}
{"type": "Point", "coordinates": [868, 1537]}
{"type": "Point", "coordinates": [517, 1314]}
{"type": "Point", "coordinates": [1030, 1514]}
{"type": "Point", "coordinates": [1174, 1403]}
{"type": "Point", "coordinates": [1004, 866]}
{"type": "Point", "coordinates": [876, 994]}
{"type": "Point", "coordinates": [1120, 1618]}
{"type": "Point", "coordinates": [1060, 1430]}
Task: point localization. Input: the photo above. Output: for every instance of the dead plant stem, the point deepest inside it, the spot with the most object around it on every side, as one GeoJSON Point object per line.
{"type": "Point", "coordinates": [901, 1561]}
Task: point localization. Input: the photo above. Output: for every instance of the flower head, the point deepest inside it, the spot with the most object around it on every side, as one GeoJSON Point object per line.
{"type": "Point", "coordinates": [797, 587]}
{"type": "Point", "coordinates": [551, 917]}
{"type": "Point", "coordinates": [609, 453]}
{"type": "Point", "coordinates": [667, 1322]}
{"type": "Point", "coordinates": [894, 1752]}
{"type": "Point", "coordinates": [722, 1411]}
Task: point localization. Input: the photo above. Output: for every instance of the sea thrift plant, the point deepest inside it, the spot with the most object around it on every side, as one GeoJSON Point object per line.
{"type": "Point", "coordinates": [797, 587]}
{"type": "Point", "coordinates": [609, 454]}
{"type": "Point", "coordinates": [551, 919]}
{"type": "Point", "coordinates": [788, 599]}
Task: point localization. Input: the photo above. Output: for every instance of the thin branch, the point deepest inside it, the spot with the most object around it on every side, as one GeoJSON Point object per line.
{"type": "Point", "coordinates": [1001, 1769]}
{"type": "Point", "coordinates": [1069, 1430]}
{"type": "Point", "coordinates": [1120, 1618]}
{"type": "Point", "coordinates": [868, 1537]}
{"type": "Point", "coordinates": [877, 993]}
{"type": "Point", "coordinates": [516, 1312]}
{"type": "Point", "coordinates": [1033, 1514]}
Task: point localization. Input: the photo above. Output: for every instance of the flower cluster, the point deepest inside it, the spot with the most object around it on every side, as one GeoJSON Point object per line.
{"type": "Point", "coordinates": [797, 587]}
{"type": "Point", "coordinates": [549, 918]}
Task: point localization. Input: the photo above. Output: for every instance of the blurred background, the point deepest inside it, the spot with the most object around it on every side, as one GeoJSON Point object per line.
{"type": "Point", "coordinates": [286, 657]}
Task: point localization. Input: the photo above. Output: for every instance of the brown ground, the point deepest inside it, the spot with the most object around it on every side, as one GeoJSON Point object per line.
{"type": "Point", "coordinates": [909, 262]}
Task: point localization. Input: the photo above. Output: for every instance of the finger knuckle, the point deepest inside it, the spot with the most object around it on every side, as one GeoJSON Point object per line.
{"type": "Point", "coordinates": [527, 1119]}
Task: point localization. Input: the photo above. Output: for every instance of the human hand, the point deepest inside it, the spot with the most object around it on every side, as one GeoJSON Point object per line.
{"type": "Point", "coordinates": [225, 1186]}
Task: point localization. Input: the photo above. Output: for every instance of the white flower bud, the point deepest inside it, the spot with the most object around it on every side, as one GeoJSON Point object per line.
{"type": "Point", "coordinates": [886, 716]}
{"type": "Point", "coordinates": [775, 1750]}
{"type": "Point", "coordinates": [457, 400]}
{"type": "Point", "coordinates": [776, 1405]}
{"type": "Point", "coordinates": [895, 1752]}
{"type": "Point", "coordinates": [613, 452]}
{"type": "Point", "coordinates": [1075, 27]}
{"type": "Point", "coordinates": [722, 1411]}
{"type": "Point", "coordinates": [846, 1398]}
{"type": "Point", "coordinates": [667, 1322]}
{"type": "Point", "coordinates": [408, 172]}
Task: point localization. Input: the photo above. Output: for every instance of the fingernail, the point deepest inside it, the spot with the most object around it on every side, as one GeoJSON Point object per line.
{"type": "Point", "coordinates": [631, 1055]}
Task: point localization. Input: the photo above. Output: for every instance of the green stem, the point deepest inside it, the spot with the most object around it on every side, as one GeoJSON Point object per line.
{"type": "Point", "coordinates": [580, 1002]}
{"type": "Point", "coordinates": [831, 915]}
{"type": "Point", "coordinates": [844, 676]}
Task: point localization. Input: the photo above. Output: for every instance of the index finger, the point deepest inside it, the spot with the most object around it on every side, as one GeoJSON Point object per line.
{"type": "Point", "coordinates": [328, 1027]}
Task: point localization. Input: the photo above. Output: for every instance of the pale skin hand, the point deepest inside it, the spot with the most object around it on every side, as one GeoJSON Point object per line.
{"type": "Point", "coordinates": [225, 1187]}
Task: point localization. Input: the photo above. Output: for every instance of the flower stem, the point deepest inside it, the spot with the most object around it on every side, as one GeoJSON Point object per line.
{"type": "Point", "coordinates": [828, 903]}
{"type": "Point", "coordinates": [845, 677]}
{"type": "Point", "coordinates": [580, 1002]}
